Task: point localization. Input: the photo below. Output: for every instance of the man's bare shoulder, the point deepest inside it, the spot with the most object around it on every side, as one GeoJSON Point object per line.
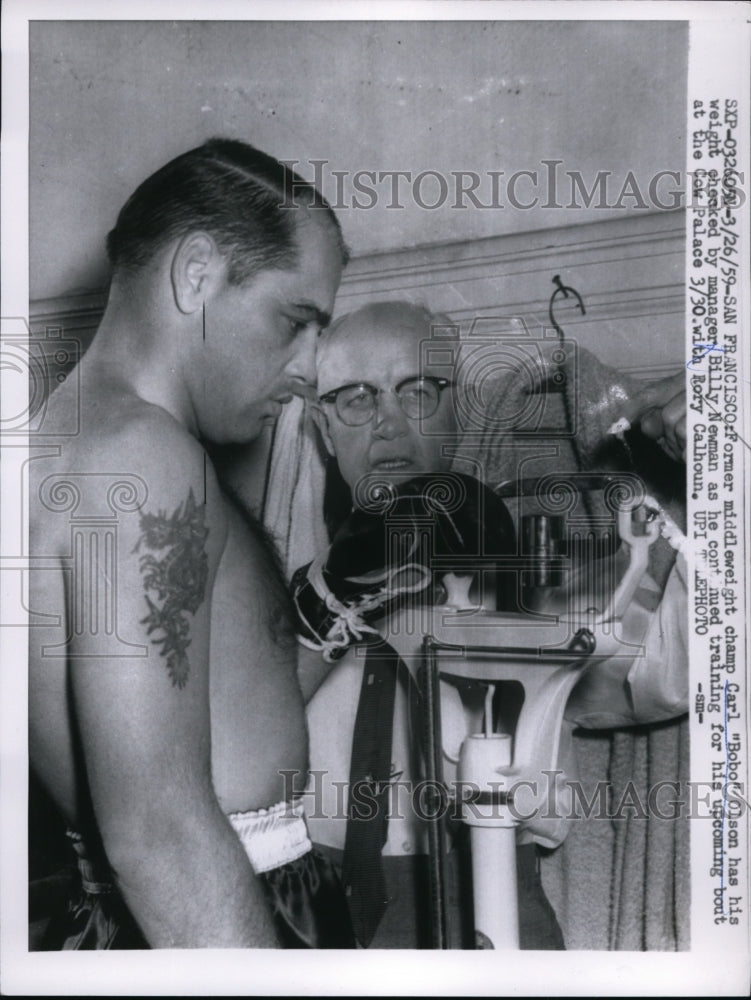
{"type": "Point", "coordinates": [133, 454]}
{"type": "Point", "coordinates": [137, 433]}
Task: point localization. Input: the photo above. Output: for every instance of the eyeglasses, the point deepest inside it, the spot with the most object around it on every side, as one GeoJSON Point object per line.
{"type": "Point", "coordinates": [418, 395]}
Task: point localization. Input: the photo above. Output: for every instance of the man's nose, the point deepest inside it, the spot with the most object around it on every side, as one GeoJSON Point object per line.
{"type": "Point", "coordinates": [389, 420]}
{"type": "Point", "coordinates": [302, 367]}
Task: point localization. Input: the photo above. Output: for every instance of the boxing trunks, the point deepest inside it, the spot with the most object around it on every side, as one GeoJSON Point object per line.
{"type": "Point", "coordinates": [302, 887]}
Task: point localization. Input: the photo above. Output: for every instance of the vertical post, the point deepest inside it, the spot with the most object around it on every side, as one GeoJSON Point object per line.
{"type": "Point", "coordinates": [430, 685]}
{"type": "Point", "coordinates": [493, 839]}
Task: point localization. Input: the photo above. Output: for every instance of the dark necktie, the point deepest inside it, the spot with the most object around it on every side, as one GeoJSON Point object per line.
{"type": "Point", "coordinates": [369, 777]}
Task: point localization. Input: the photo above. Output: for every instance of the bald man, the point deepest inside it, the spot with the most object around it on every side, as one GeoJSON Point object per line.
{"type": "Point", "coordinates": [387, 413]}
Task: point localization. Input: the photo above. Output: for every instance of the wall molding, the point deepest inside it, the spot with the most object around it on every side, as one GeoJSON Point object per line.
{"type": "Point", "coordinates": [629, 271]}
{"type": "Point", "coordinates": [519, 252]}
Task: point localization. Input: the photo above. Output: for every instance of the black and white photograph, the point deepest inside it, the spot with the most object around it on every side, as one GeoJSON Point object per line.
{"type": "Point", "coordinates": [376, 468]}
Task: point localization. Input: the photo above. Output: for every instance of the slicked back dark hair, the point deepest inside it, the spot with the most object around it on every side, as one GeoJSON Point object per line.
{"type": "Point", "coordinates": [245, 199]}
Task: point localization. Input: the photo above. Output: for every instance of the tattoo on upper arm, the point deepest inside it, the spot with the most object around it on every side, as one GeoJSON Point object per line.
{"type": "Point", "coordinates": [177, 579]}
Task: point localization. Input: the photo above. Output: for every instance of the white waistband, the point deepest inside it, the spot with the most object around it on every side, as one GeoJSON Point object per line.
{"type": "Point", "coordinates": [272, 837]}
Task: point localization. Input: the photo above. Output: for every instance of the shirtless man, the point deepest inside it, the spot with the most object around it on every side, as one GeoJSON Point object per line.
{"type": "Point", "coordinates": [163, 693]}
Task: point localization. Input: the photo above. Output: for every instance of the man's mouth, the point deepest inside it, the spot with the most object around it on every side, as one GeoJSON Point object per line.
{"type": "Point", "coordinates": [398, 462]}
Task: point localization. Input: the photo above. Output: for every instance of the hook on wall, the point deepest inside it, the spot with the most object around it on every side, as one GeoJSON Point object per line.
{"type": "Point", "coordinates": [563, 290]}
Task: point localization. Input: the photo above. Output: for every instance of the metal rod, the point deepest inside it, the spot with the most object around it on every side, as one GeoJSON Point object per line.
{"type": "Point", "coordinates": [434, 780]}
{"type": "Point", "coordinates": [583, 644]}
{"type": "Point", "coordinates": [534, 486]}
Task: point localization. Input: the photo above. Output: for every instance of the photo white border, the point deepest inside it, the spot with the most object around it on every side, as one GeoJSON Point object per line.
{"type": "Point", "coordinates": [699, 972]}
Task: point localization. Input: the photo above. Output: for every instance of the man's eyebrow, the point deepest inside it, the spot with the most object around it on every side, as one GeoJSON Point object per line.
{"type": "Point", "coordinates": [320, 315]}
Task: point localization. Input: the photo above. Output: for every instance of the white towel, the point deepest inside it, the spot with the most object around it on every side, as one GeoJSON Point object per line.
{"type": "Point", "coordinates": [293, 502]}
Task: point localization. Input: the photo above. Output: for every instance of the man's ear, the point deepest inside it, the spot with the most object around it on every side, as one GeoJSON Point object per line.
{"type": "Point", "coordinates": [321, 422]}
{"type": "Point", "coordinates": [197, 268]}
